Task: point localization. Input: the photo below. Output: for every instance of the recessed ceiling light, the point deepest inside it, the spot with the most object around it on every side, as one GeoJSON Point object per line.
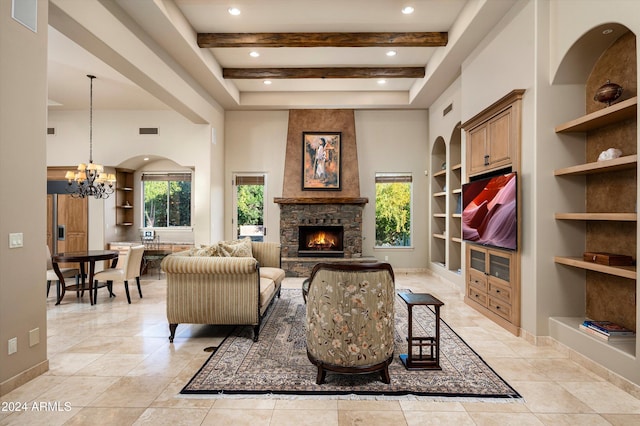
{"type": "Point", "coordinates": [407, 10]}
{"type": "Point", "coordinates": [267, 82]}
{"type": "Point", "coordinates": [254, 54]}
{"type": "Point", "coordinates": [145, 159]}
{"type": "Point", "coordinates": [234, 11]}
{"type": "Point", "coordinates": [607, 31]}
{"type": "Point", "coordinates": [392, 53]}
{"type": "Point", "coordinates": [381, 82]}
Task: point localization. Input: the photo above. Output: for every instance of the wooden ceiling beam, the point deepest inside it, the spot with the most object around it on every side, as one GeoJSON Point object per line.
{"type": "Point", "coordinates": [339, 72]}
{"type": "Point", "coordinates": [406, 39]}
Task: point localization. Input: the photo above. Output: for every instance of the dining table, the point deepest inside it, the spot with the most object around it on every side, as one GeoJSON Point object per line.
{"type": "Point", "coordinates": [89, 257]}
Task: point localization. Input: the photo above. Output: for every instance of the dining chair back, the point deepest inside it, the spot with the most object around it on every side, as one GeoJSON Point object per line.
{"type": "Point", "coordinates": [126, 269]}
{"type": "Point", "coordinates": [52, 276]}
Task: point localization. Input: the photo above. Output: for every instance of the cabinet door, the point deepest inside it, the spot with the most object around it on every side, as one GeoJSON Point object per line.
{"type": "Point", "coordinates": [477, 148]}
{"type": "Point", "coordinates": [477, 260]}
{"type": "Point", "coordinates": [499, 142]}
{"type": "Point", "coordinates": [500, 268]}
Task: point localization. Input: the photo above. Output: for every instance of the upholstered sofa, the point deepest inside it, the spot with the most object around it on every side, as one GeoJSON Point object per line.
{"type": "Point", "coordinates": [206, 289]}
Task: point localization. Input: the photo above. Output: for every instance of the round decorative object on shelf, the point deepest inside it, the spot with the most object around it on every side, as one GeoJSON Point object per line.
{"type": "Point", "coordinates": [608, 93]}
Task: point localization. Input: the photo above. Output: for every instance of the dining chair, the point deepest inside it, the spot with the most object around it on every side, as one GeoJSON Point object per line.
{"type": "Point", "coordinates": [126, 269]}
{"type": "Point", "coordinates": [66, 273]}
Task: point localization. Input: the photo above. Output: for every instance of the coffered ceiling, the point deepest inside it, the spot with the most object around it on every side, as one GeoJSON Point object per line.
{"type": "Point", "coordinates": [194, 55]}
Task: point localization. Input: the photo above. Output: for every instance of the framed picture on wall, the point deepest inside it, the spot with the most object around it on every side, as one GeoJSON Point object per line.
{"type": "Point", "coordinates": [321, 160]}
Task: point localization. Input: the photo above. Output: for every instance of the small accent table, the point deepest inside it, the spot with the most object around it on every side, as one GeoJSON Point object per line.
{"type": "Point", "coordinates": [423, 353]}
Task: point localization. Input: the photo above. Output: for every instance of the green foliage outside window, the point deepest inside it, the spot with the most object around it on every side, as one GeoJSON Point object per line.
{"type": "Point", "coordinates": [167, 203]}
{"type": "Point", "coordinates": [393, 214]}
{"type": "Point", "coordinates": [250, 204]}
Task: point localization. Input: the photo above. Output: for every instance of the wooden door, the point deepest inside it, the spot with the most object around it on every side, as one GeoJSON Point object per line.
{"type": "Point", "coordinates": [72, 215]}
{"type": "Point", "coordinates": [70, 233]}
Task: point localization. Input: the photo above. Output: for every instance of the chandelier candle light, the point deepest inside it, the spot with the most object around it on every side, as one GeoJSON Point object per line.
{"type": "Point", "coordinates": [90, 179]}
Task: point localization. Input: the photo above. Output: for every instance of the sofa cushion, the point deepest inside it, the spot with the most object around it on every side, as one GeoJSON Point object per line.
{"type": "Point", "coordinates": [276, 274]}
{"type": "Point", "coordinates": [267, 287]}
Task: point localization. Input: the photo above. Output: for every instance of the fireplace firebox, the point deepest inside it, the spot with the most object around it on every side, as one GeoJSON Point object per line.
{"type": "Point", "coordinates": [320, 241]}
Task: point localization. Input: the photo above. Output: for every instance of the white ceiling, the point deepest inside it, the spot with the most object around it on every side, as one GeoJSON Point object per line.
{"type": "Point", "coordinates": [155, 63]}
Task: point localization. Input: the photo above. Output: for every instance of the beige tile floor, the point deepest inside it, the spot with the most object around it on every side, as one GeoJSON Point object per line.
{"type": "Point", "coordinates": [112, 364]}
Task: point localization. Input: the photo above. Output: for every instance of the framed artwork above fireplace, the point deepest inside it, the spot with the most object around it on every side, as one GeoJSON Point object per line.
{"type": "Point", "coordinates": [321, 161]}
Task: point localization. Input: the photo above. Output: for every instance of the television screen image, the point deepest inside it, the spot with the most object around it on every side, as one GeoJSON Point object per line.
{"type": "Point", "coordinates": [489, 215]}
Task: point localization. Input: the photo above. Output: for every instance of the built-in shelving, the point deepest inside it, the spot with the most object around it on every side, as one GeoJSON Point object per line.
{"type": "Point", "coordinates": [124, 197]}
{"type": "Point", "coordinates": [609, 223]}
{"type": "Point", "coordinates": [619, 271]}
{"type": "Point", "coordinates": [621, 163]}
{"type": "Point", "coordinates": [619, 217]}
{"type": "Point", "coordinates": [613, 114]}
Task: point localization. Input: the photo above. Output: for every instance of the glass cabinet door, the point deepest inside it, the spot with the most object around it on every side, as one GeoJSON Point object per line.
{"type": "Point", "coordinates": [499, 267]}
{"type": "Point", "coordinates": [477, 260]}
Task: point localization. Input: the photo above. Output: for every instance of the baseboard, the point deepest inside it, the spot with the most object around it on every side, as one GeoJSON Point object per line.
{"type": "Point", "coordinates": [598, 369]}
{"type": "Point", "coordinates": [24, 377]}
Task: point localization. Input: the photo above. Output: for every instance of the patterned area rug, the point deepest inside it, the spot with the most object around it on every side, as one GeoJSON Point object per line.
{"type": "Point", "coordinates": [278, 365]}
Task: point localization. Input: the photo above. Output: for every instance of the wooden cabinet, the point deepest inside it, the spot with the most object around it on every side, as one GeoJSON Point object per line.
{"type": "Point", "coordinates": [493, 285]}
{"type": "Point", "coordinates": [124, 197]}
{"type": "Point", "coordinates": [493, 275]}
{"type": "Point", "coordinates": [493, 135]}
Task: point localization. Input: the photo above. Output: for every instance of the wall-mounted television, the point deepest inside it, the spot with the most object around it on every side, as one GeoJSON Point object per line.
{"type": "Point", "coordinates": [490, 211]}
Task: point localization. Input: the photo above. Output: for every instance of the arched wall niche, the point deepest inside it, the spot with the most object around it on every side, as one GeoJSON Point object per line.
{"type": "Point", "coordinates": [578, 62]}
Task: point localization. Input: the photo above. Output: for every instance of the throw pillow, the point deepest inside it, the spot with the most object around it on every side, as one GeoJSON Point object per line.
{"type": "Point", "coordinates": [211, 250]}
{"type": "Point", "coordinates": [236, 248]}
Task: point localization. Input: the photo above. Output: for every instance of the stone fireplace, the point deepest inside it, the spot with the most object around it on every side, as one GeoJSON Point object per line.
{"type": "Point", "coordinates": [301, 219]}
{"type": "Point", "coordinates": [336, 212]}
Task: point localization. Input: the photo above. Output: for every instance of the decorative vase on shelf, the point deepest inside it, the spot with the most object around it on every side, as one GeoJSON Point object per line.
{"type": "Point", "coordinates": [608, 93]}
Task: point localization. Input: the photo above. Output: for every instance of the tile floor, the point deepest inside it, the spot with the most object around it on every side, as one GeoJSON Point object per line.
{"type": "Point", "coordinates": [112, 364]}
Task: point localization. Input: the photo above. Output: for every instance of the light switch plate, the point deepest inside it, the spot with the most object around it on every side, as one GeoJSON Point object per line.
{"type": "Point", "coordinates": [15, 240]}
{"type": "Point", "coordinates": [13, 345]}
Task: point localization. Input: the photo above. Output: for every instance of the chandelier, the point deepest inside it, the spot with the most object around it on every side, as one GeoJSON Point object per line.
{"type": "Point", "coordinates": [90, 179]}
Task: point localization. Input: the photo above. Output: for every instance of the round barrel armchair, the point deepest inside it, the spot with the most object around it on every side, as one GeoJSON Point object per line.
{"type": "Point", "coordinates": [350, 317]}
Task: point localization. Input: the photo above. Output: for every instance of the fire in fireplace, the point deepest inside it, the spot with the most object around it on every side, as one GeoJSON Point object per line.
{"type": "Point", "coordinates": [320, 241]}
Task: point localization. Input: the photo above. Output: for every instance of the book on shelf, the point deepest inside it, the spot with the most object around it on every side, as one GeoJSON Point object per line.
{"type": "Point", "coordinates": [603, 336]}
{"type": "Point", "coordinates": [608, 328]}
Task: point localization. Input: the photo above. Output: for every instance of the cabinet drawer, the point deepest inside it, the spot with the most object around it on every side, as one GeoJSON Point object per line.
{"type": "Point", "coordinates": [500, 292]}
{"type": "Point", "coordinates": [477, 296]}
{"type": "Point", "coordinates": [500, 307]}
{"type": "Point", "coordinates": [478, 281]}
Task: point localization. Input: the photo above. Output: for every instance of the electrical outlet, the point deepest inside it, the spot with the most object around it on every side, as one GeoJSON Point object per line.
{"type": "Point", "coordinates": [34, 337]}
{"type": "Point", "coordinates": [386, 258]}
{"type": "Point", "coordinates": [13, 345]}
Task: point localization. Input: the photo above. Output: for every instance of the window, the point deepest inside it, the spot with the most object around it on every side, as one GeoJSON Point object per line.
{"type": "Point", "coordinates": [167, 199]}
{"type": "Point", "coordinates": [249, 206]}
{"type": "Point", "coordinates": [393, 209]}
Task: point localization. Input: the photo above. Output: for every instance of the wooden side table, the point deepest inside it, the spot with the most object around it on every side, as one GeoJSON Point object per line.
{"type": "Point", "coordinates": [423, 353]}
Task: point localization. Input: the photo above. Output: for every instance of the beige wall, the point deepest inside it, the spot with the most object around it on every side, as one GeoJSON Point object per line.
{"type": "Point", "coordinates": [505, 61]}
{"type": "Point", "coordinates": [116, 141]}
{"type": "Point", "coordinates": [23, 114]}
{"type": "Point", "coordinates": [387, 141]}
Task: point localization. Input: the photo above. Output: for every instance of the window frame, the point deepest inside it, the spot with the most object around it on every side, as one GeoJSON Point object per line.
{"type": "Point", "coordinates": [167, 179]}
{"type": "Point", "coordinates": [397, 177]}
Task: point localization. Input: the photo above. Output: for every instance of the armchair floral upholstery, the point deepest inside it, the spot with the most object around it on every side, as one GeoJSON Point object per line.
{"type": "Point", "coordinates": [349, 323]}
